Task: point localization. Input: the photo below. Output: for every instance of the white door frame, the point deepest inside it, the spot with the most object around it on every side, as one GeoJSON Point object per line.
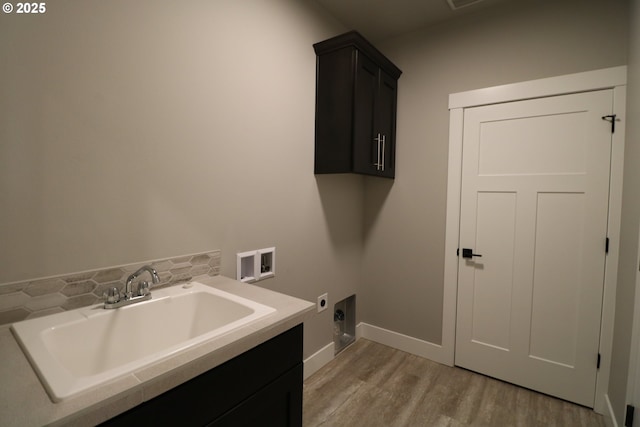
{"type": "Point", "coordinates": [610, 78]}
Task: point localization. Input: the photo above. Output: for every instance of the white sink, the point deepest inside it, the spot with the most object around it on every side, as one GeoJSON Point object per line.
{"type": "Point", "coordinates": [77, 350]}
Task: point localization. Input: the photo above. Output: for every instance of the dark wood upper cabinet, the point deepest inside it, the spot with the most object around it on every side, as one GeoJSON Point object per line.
{"type": "Point", "coordinates": [356, 93]}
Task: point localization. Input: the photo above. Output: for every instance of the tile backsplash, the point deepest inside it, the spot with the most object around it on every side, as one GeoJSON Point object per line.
{"type": "Point", "coordinates": [39, 297]}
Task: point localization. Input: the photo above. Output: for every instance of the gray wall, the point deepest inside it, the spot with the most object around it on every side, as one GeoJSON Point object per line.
{"type": "Point", "coordinates": [403, 261]}
{"type": "Point", "coordinates": [628, 268]}
{"type": "Point", "coordinates": [140, 130]}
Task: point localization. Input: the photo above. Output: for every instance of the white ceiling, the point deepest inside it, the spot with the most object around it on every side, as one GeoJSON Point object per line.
{"type": "Point", "coordinates": [380, 19]}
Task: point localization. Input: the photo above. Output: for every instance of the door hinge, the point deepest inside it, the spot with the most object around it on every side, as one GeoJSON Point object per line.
{"type": "Point", "coordinates": [606, 246]}
{"type": "Point", "coordinates": [628, 419]}
{"type": "Point", "coordinates": [458, 252]}
{"type": "Point", "coordinates": [611, 118]}
{"type": "Point", "coordinates": [598, 362]}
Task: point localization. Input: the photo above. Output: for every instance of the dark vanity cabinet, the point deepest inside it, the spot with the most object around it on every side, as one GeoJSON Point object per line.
{"type": "Point", "coordinates": [356, 92]}
{"type": "Point", "coordinates": [261, 387]}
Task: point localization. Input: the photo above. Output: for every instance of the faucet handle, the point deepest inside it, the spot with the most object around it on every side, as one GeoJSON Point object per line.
{"type": "Point", "coordinates": [112, 295]}
{"type": "Point", "coordinates": [143, 288]}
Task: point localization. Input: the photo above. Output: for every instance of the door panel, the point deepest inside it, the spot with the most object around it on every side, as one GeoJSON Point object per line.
{"type": "Point", "coordinates": [534, 204]}
{"type": "Point", "coordinates": [549, 144]}
{"type": "Point", "coordinates": [492, 293]}
{"type": "Point", "coordinates": [557, 275]}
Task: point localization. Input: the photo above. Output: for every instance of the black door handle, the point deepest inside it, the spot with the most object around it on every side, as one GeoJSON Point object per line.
{"type": "Point", "coordinates": [468, 253]}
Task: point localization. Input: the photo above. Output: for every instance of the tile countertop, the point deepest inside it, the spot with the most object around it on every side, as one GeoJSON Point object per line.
{"type": "Point", "coordinates": [24, 401]}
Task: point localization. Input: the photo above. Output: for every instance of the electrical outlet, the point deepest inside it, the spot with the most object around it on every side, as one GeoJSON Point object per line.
{"type": "Point", "coordinates": [323, 302]}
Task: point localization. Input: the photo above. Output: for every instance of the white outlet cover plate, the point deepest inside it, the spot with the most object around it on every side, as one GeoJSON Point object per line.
{"type": "Point", "coordinates": [321, 298]}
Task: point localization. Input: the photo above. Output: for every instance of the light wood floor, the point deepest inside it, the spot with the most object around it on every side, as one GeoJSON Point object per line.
{"type": "Point", "coordinates": [369, 384]}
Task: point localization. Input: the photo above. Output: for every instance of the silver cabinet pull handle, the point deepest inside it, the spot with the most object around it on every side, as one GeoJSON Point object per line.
{"type": "Point", "coordinates": [378, 162]}
{"type": "Point", "coordinates": [383, 152]}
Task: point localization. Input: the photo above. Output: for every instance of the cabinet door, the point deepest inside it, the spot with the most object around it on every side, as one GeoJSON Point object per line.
{"type": "Point", "coordinates": [385, 121]}
{"type": "Point", "coordinates": [278, 404]}
{"type": "Point", "coordinates": [374, 120]}
{"type": "Point", "coordinates": [365, 153]}
{"type": "Point", "coordinates": [334, 110]}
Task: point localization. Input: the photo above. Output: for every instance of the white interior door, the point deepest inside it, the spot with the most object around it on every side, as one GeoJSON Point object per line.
{"type": "Point", "coordinates": [534, 205]}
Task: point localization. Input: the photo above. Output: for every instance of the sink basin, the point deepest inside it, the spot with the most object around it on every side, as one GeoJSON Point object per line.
{"type": "Point", "coordinates": [78, 350]}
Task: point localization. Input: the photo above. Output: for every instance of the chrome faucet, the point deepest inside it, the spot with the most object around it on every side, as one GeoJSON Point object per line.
{"type": "Point", "coordinates": [128, 293]}
{"type": "Point", "coordinates": [115, 299]}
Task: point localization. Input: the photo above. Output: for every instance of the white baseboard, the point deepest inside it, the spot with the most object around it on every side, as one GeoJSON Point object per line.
{"type": "Point", "coordinates": [318, 359]}
{"type": "Point", "coordinates": [383, 336]}
{"type": "Point", "coordinates": [402, 342]}
{"type": "Point", "coordinates": [609, 416]}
